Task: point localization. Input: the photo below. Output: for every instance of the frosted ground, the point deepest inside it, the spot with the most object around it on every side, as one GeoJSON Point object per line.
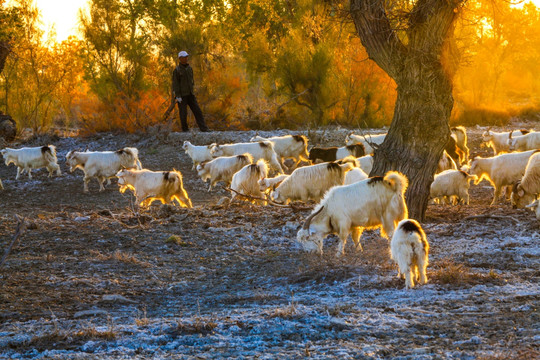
{"type": "Point", "coordinates": [91, 278]}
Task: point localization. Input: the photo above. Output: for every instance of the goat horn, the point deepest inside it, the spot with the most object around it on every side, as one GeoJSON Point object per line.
{"type": "Point", "coordinates": [310, 217]}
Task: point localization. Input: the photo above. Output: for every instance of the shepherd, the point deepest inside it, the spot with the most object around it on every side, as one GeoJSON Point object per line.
{"type": "Point", "coordinates": [182, 86]}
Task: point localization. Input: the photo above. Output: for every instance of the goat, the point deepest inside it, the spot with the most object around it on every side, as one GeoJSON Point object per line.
{"type": "Point", "coordinates": [501, 170]}
{"type": "Point", "coordinates": [222, 168]}
{"type": "Point", "coordinates": [451, 183]}
{"type": "Point", "coordinates": [459, 133]}
{"type": "Point", "coordinates": [148, 186]}
{"type": "Point", "coordinates": [530, 141]}
{"type": "Point", "coordinates": [102, 165]}
{"type": "Point", "coordinates": [498, 141]}
{"type": "Point", "coordinates": [371, 203]}
{"type": "Point", "coordinates": [267, 183]}
{"type": "Point", "coordinates": [526, 190]}
{"type": "Point", "coordinates": [198, 153]}
{"type": "Point", "coordinates": [245, 181]}
{"type": "Point", "coordinates": [288, 147]}
{"type": "Point", "coordinates": [366, 140]}
{"type": "Point", "coordinates": [258, 150]}
{"type": "Point", "coordinates": [334, 153]}
{"type": "Point", "coordinates": [354, 175]}
{"type": "Point", "coordinates": [28, 158]}
{"type": "Point", "coordinates": [409, 248]}
{"type": "Point", "coordinates": [310, 182]}
{"type": "Point", "coordinates": [446, 163]}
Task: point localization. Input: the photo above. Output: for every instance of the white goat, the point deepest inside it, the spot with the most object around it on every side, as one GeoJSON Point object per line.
{"type": "Point", "coordinates": [372, 203]}
{"type": "Point", "coordinates": [102, 165]}
{"type": "Point", "coordinates": [148, 186]}
{"type": "Point", "coordinates": [197, 153]}
{"type": "Point", "coordinates": [501, 170]}
{"type": "Point", "coordinates": [366, 140]}
{"type": "Point", "coordinates": [258, 150]}
{"type": "Point", "coordinates": [288, 147]}
{"type": "Point", "coordinates": [450, 183]}
{"type": "Point", "coordinates": [459, 133]}
{"type": "Point", "coordinates": [245, 181]}
{"type": "Point", "coordinates": [365, 163]}
{"type": "Point", "coordinates": [28, 158]}
{"type": "Point", "coordinates": [526, 190]}
{"type": "Point", "coordinates": [530, 141]}
{"type": "Point", "coordinates": [267, 183]}
{"type": "Point", "coordinates": [446, 163]}
{"type": "Point", "coordinates": [355, 175]}
{"type": "Point", "coordinates": [222, 168]}
{"type": "Point", "coordinates": [498, 141]}
{"type": "Point", "coordinates": [409, 248]}
{"type": "Point", "coordinates": [310, 182]}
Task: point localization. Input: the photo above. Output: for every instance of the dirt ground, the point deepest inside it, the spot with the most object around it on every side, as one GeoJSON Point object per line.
{"type": "Point", "coordinates": [92, 277]}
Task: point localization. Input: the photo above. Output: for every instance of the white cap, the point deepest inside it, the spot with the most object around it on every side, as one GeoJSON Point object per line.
{"type": "Point", "coordinates": [183, 54]}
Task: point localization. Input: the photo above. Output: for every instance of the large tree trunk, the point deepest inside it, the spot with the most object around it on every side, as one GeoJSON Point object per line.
{"type": "Point", "coordinates": [417, 136]}
{"type": "Point", "coordinates": [414, 58]}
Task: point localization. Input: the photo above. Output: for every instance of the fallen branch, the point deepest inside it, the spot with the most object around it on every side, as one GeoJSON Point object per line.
{"type": "Point", "coordinates": [21, 226]}
{"type": "Point", "coordinates": [249, 197]}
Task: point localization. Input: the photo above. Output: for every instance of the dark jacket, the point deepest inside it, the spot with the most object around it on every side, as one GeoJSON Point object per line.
{"type": "Point", "coordinates": [182, 80]}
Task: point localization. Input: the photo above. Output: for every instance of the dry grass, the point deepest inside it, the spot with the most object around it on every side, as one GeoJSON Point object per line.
{"type": "Point", "coordinates": [119, 256]}
{"type": "Point", "coordinates": [200, 326]}
{"type": "Point", "coordinates": [449, 272]}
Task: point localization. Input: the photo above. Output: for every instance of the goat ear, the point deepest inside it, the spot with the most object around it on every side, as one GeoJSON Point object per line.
{"type": "Point", "coordinates": [521, 192]}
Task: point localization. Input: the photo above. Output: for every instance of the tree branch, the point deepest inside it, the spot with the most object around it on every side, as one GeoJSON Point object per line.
{"type": "Point", "coordinates": [377, 35]}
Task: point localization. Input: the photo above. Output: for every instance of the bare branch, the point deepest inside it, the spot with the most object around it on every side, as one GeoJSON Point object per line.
{"type": "Point", "coordinates": [21, 226]}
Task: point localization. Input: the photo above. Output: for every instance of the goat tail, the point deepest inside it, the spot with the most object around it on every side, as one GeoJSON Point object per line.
{"type": "Point", "coordinates": [397, 181]}
{"type": "Point", "coordinates": [263, 168]}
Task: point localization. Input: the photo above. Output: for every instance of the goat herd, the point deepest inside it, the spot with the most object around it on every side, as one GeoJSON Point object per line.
{"type": "Point", "coordinates": [348, 200]}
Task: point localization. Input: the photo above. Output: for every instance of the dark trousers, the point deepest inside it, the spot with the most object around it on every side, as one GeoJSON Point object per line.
{"type": "Point", "coordinates": [195, 109]}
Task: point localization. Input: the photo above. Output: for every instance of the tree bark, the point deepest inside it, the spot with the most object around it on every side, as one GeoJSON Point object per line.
{"type": "Point", "coordinates": [419, 129]}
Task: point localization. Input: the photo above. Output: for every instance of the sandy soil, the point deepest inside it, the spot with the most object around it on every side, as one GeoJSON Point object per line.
{"type": "Point", "coordinates": [94, 278]}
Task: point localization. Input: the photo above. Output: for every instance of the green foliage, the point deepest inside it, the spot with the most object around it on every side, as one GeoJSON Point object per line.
{"type": "Point", "coordinates": [118, 47]}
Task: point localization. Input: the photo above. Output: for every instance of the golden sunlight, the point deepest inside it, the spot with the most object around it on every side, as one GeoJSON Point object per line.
{"type": "Point", "coordinates": [63, 15]}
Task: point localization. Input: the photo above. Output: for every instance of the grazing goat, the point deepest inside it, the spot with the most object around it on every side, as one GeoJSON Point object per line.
{"type": "Point", "coordinates": [28, 158]}
{"type": "Point", "coordinates": [459, 133]}
{"type": "Point", "coordinates": [148, 186]}
{"type": "Point", "coordinates": [498, 141]}
{"type": "Point", "coordinates": [374, 202]}
{"type": "Point", "coordinates": [258, 150]}
{"type": "Point", "coordinates": [222, 168]}
{"type": "Point", "coordinates": [366, 140]}
{"type": "Point", "coordinates": [530, 141]}
{"type": "Point", "coordinates": [452, 183]}
{"type": "Point", "coordinates": [355, 175]}
{"type": "Point", "coordinates": [501, 170]}
{"type": "Point", "coordinates": [526, 190]}
{"type": "Point", "coordinates": [446, 163]}
{"type": "Point", "coordinates": [334, 153]}
{"type": "Point", "coordinates": [271, 183]}
{"type": "Point", "coordinates": [102, 165]}
{"type": "Point", "coordinates": [310, 182]}
{"type": "Point", "coordinates": [288, 147]}
{"type": "Point", "coordinates": [409, 248]}
{"type": "Point", "coordinates": [197, 153]}
{"type": "Point", "coordinates": [245, 181]}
